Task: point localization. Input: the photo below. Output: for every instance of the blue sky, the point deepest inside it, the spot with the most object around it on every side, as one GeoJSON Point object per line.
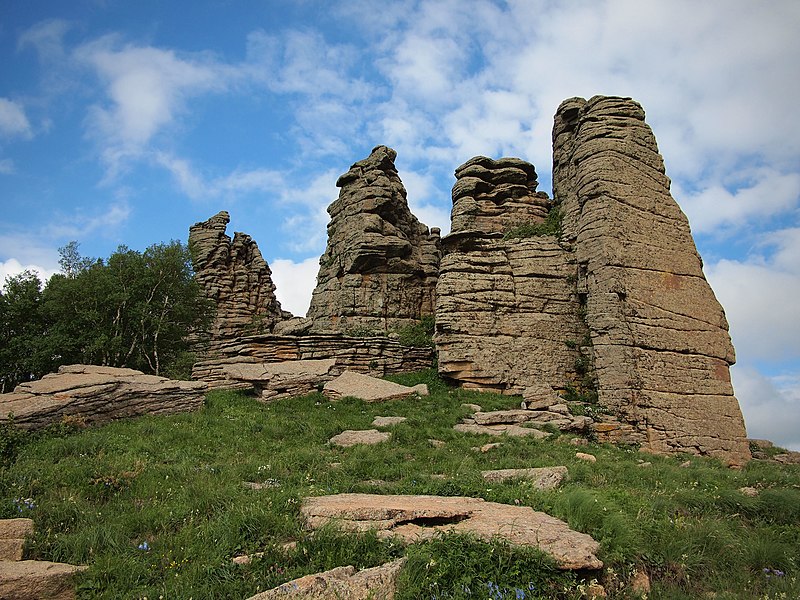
{"type": "Point", "coordinates": [126, 122]}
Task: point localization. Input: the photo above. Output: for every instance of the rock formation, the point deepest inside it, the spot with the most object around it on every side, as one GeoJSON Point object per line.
{"type": "Point", "coordinates": [236, 277]}
{"type": "Point", "coordinates": [418, 518]}
{"type": "Point", "coordinates": [89, 394]}
{"type": "Point", "coordinates": [659, 337]}
{"type": "Point", "coordinates": [380, 266]}
{"type": "Point", "coordinates": [506, 315]}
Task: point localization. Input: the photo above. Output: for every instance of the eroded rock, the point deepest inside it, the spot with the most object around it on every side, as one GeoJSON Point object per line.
{"type": "Point", "coordinates": [352, 437]}
{"type": "Point", "coordinates": [370, 389]}
{"type": "Point", "coordinates": [381, 264]}
{"type": "Point", "coordinates": [91, 394]}
{"type": "Point", "coordinates": [416, 518]}
{"type": "Point", "coordinates": [285, 379]}
{"type": "Point", "coordinates": [341, 583]}
{"type": "Point", "coordinates": [542, 478]}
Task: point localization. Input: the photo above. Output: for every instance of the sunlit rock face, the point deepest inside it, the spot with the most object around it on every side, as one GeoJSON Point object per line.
{"type": "Point", "coordinates": [660, 338]}
{"type": "Point", "coordinates": [236, 277]}
{"type": "Point", "coordinates": [381, 264]}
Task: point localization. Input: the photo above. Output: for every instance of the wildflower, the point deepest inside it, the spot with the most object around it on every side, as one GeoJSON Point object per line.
{"type": "Point", "coordinates": [144, 546]}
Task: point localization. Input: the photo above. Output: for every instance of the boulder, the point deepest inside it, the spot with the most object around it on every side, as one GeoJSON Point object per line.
{"type": "Point", "coordinates": [341, 583]}
{"type": "Point", "coordinates": [351, 437]}
{"type": "Point", "coordinates": [417, 518]}
{"type": "Point", "coordinates": [37, 579]}
{"type": "Point", "coordinates": [542, 478]}
{"type": "Point", "coordinates": [370, 389]}
{"type": "Point", "coordinates": [93, 395]}
{"type": "Point", "coordinates": [284, 379]}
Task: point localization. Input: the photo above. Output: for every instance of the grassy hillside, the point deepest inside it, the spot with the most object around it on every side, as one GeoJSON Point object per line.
{"type": "Point", "coordinates": [156, 506]}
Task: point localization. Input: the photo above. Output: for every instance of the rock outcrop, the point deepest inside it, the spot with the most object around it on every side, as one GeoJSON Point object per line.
{"type": "Point", "coordinates": [30, 579]}
{"type": "Point", "coordinates": [235, 276]}
{"type": "Point", "coordinates": [506, 314]}
{"type": "Point", "coordinates": [369, 389]}
{"type": "Point", "coordinates": [418, 518]}
{"type": "Point", "coordinates": [341, 583]}
{"type": "Point", "coordinates": [380, 266]}
{"type": "Point", "coordinates": [659, 337]}
{"type": "Point", "coordinates": [89, 394]}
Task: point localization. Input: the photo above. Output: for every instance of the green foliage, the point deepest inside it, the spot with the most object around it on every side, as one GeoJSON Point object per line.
{"type": "Point", "coordinates": [133, 310]}
{"type": "Point", "coordinates": [550, 226]}
{"type": "Point", "coordinates": [420, 334]}
{"type": "Point", "coordinates": [156, 506]}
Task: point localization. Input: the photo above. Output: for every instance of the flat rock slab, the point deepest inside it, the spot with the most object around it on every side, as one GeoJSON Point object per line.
{"type": "Point", "coordinates": [370, 389]}
{"type": "Point", "coordinates": [351, 437]}
{"type": "Point", "coordinates": [98, 395]}
{"type": "Point", "coordinates": [341, 583]}
{"type": "Point", "coordinates": [501, 429]}
{"type": "Point", "coordinates": [283, 379]}
{"type": "Point", "coordinates": [542, 478]}
{"type": "Point", "coordinates": [387, 421]}
{"type": "Point", "coordinates": [36, 579]}
{"type": "Point", "coordinates": [417, 518]}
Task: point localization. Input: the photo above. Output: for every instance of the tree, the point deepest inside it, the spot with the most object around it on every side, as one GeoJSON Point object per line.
{"type": "Point", "coordinates": [134, 310]}
{"type": "Point", "coordinates": [21, 329]}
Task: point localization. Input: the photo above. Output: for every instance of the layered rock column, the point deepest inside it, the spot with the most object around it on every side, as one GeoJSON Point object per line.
{"type": "Point", "coordinates": [236, 277]}
{"type": "Point", "coordinates": [506, 317]}
{"type": "Point", "coordinates": [661, 345]}
{"type": "Point", "coordinates": [380, 267]}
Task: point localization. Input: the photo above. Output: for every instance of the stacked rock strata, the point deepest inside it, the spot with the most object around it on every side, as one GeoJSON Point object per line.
{"type": "Point", "coordinates": [380, 267]}
{"type": "Point", "coordinates": [236, 277]}
{"type": "Point", "coordinates": [89, 394]}
{"type": "Point", "coordinates": [506, 315]}
{"type": "Point", "coordinates": [660, 338]}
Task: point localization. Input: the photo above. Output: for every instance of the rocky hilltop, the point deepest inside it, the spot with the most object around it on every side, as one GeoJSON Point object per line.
{"type": "Point", "coordinates": [596, 294]}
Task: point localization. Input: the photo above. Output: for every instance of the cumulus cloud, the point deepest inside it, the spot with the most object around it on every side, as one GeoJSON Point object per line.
{"type": "Point", "coordinates": [294, 283]}
{"type": "Point", "coordinates": [771, 406]}
{"type": "Point", "coordinates": [717, 209]}
{"type": "Point", "coordinates": [12, 267]}
{"type": "Point", "coordinates": [13, 122]}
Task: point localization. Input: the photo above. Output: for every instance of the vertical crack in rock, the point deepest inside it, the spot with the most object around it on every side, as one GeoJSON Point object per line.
{"type": "Point", "coordinates": [661, 346]}
{"type": "Point", "coordinates": [236, 277]}
{"type": "Point", "coordinates": [381, 264]}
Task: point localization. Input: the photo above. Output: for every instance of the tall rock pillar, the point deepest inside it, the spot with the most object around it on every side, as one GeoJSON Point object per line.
{"type": "Point", "coordinates": [236, 277]}
{"type": "Point", "coordinates": [661, 346]}
{"type": "Point", "coordinates": [381, 264]}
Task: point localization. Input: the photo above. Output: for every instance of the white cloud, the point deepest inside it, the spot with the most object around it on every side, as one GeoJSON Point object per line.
{"type": "Point", "coordinates": [13, 121]}
{"type": "Point", "coordinates": [294, 283]}
{"type": "Point", "coordinates": [147, 88]}
{"type": "Point", "coordinates": [771, 406]}
{"type": "Point", "coordinates": [240, 181]}
{"type": "Point", "coordinates": [13, 267]}
{"type": "Point", "coordinates": [307, 228]}
{"type": "Point", "coordinates": [47, 38]}
{"type": "Point", "coordinates": [760, 300]}
{"type": "Point", "coordinates": [715, 207]}
{"type": "Point", "coordinates": [82, 225]}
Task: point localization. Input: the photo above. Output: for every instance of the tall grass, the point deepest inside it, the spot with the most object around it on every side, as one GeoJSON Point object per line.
{"type": "Point", "coordinates": [157, 506]}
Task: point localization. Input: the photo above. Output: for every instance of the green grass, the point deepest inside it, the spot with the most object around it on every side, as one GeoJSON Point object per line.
{"type": "Point", "coordinates": [176, 484]}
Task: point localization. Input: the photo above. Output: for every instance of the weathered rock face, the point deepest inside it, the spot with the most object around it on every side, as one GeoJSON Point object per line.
{"type": "Point", "coordinates": [506, 313]}
{"type": "Point", "coordinates": [95, 395]}
{"type": "Point", "coordinates": [493, 196]}
{"type": "Point", "coordinates": [236, 277]}
{"type": "Point", "coordinates": [380, 267]}
{"type": "Point", "coordinates": [660, 338]}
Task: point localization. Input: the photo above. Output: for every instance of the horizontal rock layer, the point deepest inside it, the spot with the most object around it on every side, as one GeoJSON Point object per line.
{"type": "Point", "coordinates": [92, 395]}
{"type": "Point", "coordinates": [378, 355]}
{"type": "Point", "coordinates": [380, 266]}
